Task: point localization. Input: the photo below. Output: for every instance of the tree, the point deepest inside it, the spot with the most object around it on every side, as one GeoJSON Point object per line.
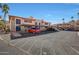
{"type": "Point", "coordinates": [5, 9]}
{"type": "Point", "coordinates": [2, 25]}
{"type": "Point", "coordinates": [72, 17]}
{"type": "Point", "coordinates": [78, 15]}
{"type": "Point", "coordinates": [0, 5]}
{"type": "Point", "coordinates": [63, 20]}
{"type": "Point", "coordinates": [72, 21]}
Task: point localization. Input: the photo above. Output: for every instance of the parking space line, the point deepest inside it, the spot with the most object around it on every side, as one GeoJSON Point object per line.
{"type": "Point", "coordinates": [41, 51]}
{"type": "Point", "coordinates": [24, 43]}
{"type": "Point", "coordinates": [27, 52]}
{"type": "Point", "coordinates": [75, 50]}
{"type": "Point", "coordinates": [20, 49]}
{"type": "Point", "coordinates": [32, 45]}
{"type": "Point", "coordinates": [78, 33]}
{"type": "Point", "coordinates": [1, 38]}
{"type": "Point", "coordinates": [18, 42]}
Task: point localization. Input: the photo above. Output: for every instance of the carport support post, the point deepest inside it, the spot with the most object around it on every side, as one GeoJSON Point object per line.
{"type": "Point", "coordinates": [35, 26]}
{"type": "Point", "coordinates": [39, 25]}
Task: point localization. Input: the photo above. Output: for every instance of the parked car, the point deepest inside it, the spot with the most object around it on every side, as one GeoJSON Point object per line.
{"type": "Point", "coordinates": [34, 30]}
{"type": "Point", "coordinates": [53, 29]}
{"type": "Point", "coordinates": [49, 29]}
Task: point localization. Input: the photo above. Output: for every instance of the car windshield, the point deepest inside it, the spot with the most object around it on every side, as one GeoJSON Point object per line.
{"type": "Point", "coordinates": [35, 28]}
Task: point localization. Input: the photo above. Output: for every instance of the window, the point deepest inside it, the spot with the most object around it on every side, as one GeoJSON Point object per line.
{"type": "Point", "coordinates": [18, 21]}
{"type": "Point", "coordinates": [18, 28]}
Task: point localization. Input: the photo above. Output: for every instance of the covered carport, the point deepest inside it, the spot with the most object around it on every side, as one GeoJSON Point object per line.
{"type": "Point", "coordinates": [25, 27]}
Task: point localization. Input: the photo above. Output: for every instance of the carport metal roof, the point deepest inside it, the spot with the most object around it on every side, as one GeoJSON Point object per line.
{"type": "Point", "coordinates": [33, 25]}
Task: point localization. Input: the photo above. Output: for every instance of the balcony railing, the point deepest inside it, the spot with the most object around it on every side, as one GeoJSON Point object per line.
{"type": "Point", "coordinates": [27, 23]}
{"type": "Point", "coordinates": [44, 25]}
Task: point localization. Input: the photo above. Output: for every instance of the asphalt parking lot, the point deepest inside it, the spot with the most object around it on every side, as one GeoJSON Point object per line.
{"type": "Point", "coordinates": [58, 43]}
{"type": "Point", "coordinates": [6, 48]}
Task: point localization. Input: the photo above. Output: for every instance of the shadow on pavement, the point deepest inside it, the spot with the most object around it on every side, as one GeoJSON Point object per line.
{"type": "Point", "coordinates": [24, 35]}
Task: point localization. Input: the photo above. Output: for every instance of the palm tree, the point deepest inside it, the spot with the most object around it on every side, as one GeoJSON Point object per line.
{"type": "Point", "coordinates": [63, 20]}
{"type": "Point", "coordinates": [72, 21]}
{"type": "Point", "coordinates": [78, 15]}
{"type": "Point", "coordinates": [63, 23]}
{"type": "Point", "coordinates": [0, 8]}
{"type": "Point", "coordinates": [5, 9]}
{"type": "Point", "coordinates": [72, 17]}
{"type": "Point", "coordinates": [0, 5]}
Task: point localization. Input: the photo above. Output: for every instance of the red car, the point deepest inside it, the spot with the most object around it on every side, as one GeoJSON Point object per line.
{"type": "Point", "coordinates": [34, 30]}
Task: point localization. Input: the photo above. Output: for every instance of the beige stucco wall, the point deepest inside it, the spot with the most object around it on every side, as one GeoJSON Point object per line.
{"type": "Point", "coordinates": [23, 28]}
{"type": "Point", "coordinates": [12, 24]}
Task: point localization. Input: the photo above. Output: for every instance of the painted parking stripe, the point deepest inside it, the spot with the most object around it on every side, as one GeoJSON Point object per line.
{"type": "Point", "coordinates": [78, 33]}
{"type": "Point", "coordinates": [1, 38]}
{"type": "Point", "coordinates": [17, 42]}
{"type": "Point", "coordinates": [75, 50]}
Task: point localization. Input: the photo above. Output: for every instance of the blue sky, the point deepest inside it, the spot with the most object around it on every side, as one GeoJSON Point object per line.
{"type": "Point", "coordinates": [51, 12]}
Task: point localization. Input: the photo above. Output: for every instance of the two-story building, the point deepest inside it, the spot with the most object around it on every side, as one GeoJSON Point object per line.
{"type": "Point", "coordinates": [21, 24]}
{"type": "Point", "coordinates": [72, 25]}
{"type": "Point", "coordinates": [75, 25]}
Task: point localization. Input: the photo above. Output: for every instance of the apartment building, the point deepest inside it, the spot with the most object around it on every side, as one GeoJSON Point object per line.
{"type": "Point", "coordinates": [75, 25]}
{"type": "Point", "coordinates": [63, 26]}
{"type": "Point", "coordinates": [72, 25]}
{"type": "Point", "coordinates": [21, 24]}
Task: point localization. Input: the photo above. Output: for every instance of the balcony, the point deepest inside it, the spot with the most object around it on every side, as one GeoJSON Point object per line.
{"type": "Point", "coordinates": [44, 25]}
{"type": "Point", "coordinates": [27, 24]}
